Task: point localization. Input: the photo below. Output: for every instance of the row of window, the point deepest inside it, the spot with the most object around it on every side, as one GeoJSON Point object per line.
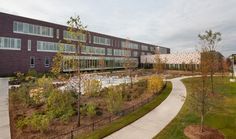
{"type": "Point", "coordinates": [87, 63]}
{"type": "Point", "coordinates": [55, 47]}
{"type": "Point", "coordinates": [31, 29]}
{"type": "Point", "coordinates": [46, 61]}
{"type": "Point", "coordinates": [15, 44]}
{"type": "Point", "coordinates": [10, 43]}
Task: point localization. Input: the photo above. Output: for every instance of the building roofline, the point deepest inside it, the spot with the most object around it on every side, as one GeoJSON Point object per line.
{"type": "Point", "coordinates": [43, 21]}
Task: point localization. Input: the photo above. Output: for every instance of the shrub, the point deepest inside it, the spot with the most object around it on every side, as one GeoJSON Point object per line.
{"type": "Point", "coordinates": [32, 73]}
{"type": "Point", "coordinates": [114, 99]}
{"type": "Point", "coordinates": [92, 87]}
{"type": "Point", "coordinates": [91, 110]}
{"type": "Point", "coordinates": [60, 105]}
{"type": "Point", "coordinates": [154, 84]}
{"type": "Point", "coordinates": [37, 121]}
{"type": "Point", "coordinates": [45, 82]}
{"type": "Point", "coordinates": [21, 95]}
{"type": "Point", "coordinates": [20, 76]}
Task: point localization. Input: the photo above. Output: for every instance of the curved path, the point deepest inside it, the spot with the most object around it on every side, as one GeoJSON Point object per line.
{"type": "Point", "coordinates": [153, 122]}
{"type": "Point", "coordinates": [4, 112]}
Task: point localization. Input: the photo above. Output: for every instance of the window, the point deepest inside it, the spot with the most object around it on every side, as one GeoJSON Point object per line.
{"type": "Point", "coordinates": [135, 53]}
{"type": "Point", "coordinates": [90, 39]}
{"type": "Point", "coordinates": [31, 29]}
{"type": "Point", "coordinates": [144, 47]}
{"type": "Point", "coordinates": [152, 49]}
{"type": "Point", "coordinates": [55, 47]}
{"type": "Point", "coordinates": [74, 36]}
{"type": "Point", "coordinates": [101, 40]}
{"type": "Point", "coordinates": [10, 43]}
{"type": "Point", "coordinates": [29, 45]}
{"type": "Point", "coordinates": [32, 61]}
{"type": "Point", "coordinates": [58, 34]}
{"type": "Point", "coordinates": [93, 50]}
{"type": "Point", "coordinates": [47, 61]}
{"type": "Point", "coordinates": [109, 51]}
{"type": "Point", "coordinates": [125, 44]}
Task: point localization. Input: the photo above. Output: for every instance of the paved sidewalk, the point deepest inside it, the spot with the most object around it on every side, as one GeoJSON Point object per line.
{"type": "Point", "coordinates": [4, 113]}
{"type": "Point", "coordinates": [153, 122]}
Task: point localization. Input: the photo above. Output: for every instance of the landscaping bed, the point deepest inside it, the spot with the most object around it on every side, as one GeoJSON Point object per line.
{"type": "Point", "coordinates": [39, 110]}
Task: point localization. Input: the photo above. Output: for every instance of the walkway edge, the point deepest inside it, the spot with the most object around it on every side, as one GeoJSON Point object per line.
{"type": "Point", "coordinates": [153, 122]}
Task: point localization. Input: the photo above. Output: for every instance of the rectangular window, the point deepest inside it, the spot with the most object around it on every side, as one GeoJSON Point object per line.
{"type": "Point", "coordinates": [101, 41]}
{"type": "Point", "coordinates": [135, 53]}
{"type": "Point", "coordinates": [90, 39]}
{"type": "Point", "coordinates": [55, 47]}
{"type": "Point", "coordinates": [29, 45]}
{"type": "Point", "coordinates": [130, 45]}
{"type": "Point", "coordinates": [58, 34]}
{"type": "Point", "coordinates": [10, 43]}
{"type": "Point", "coordinates": [144, 47]}
{"type": "Point", "coordinates": [32, 61]}
{"type": "Point", "coordinates": [109, 51]}
{"type": "Point", "coordinates": [31, 29]}
{"type": "Point", "coordinates": [47, 61]}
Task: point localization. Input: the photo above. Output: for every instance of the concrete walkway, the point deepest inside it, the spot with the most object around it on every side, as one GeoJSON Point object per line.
{"type": "Point", "coordinates": [4, 112]}
{"type": "Point", "coordinates": [153, 122]}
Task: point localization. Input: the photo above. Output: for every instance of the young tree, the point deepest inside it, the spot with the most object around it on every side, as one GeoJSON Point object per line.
{"type": "Point", "coordinates": [77, 32]}
{"type": "Point", "coordinates": [209, 42]}
{"type": "Point", "coordinates": [129, 63]}
{"type": "Point", "coordinates": [158, 63]}
{"type": "Point", "coordinates": [200, 92]}
{"type": "Point", "coordinates": [57, 62]}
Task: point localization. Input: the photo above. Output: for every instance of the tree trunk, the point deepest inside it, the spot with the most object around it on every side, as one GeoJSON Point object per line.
{"type": "Point", "coordinates": [212, 86]}
{"type": "Point", "coordinates": [131, 79]}
{"type": "Point", "coordinates": [79, 93]}
{"type": "Point", "coordinates": [203, 103]}
{"type": "Point", "coordinates": [202, 123]}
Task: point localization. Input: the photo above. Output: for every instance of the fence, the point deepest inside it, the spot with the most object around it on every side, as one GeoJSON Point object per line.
{"type": "Point", "coordinates": [96, 124]}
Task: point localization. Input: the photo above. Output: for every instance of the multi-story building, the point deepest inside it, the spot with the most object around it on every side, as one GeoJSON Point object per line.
{"type": "Point", "coordinates": [31, 44]}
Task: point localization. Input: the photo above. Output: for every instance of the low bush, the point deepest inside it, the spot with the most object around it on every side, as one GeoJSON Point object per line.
{"type": "Point", "coordinates": [91, 110]}
{"type": "Point", "coordinates": [37, 122]}
{"type": "Point", "coordinates": [154, 84]}
{"type": "Point", "coordinates": [92, 87]}
{"type": "Point", "coordinates": [60, 105]}
{"type": "Point", "coordinates": [114, 99]}
{"type": "Point", "coordinates": [21, 95]}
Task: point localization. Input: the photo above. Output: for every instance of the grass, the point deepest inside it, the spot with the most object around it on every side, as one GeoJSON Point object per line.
{"type": "Point", "coordinates": [221, 117]}
{"type": "Point", "coordinates": [122, 122]}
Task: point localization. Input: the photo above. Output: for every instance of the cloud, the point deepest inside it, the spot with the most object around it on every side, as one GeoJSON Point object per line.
{"type": "Point", "coordinates": [169, 23]}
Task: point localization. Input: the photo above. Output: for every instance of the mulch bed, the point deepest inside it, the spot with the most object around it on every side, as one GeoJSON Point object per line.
{"type": "Point", "coordinates": [194, 132]}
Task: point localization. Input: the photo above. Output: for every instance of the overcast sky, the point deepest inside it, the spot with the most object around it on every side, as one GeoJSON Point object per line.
{"type": "Point", "coordinates": [170, 23]}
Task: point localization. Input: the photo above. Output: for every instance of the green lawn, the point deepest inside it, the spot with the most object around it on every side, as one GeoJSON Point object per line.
{"type": "Point", "coordinates": [222, 116]}
{"type": "Point", "coordinates": [118, 124]}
